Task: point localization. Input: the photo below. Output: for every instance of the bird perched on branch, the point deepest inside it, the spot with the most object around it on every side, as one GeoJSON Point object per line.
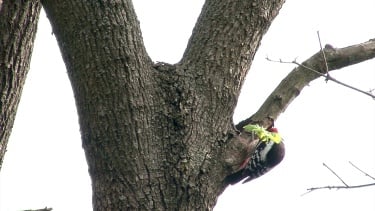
{"type": "Point", "coordinates": [268, 153]}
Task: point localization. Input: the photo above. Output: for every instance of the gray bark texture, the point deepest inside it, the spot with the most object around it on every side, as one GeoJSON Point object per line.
{"type": "Point", "coordinates": [154, 134]}
{"type": "Point", "coordinates": [18, 23]}
{"type": "Point", "coordinates": [160, 136]}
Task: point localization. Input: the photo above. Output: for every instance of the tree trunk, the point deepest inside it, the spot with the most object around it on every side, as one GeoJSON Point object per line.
{"type": "Point", "coordinates": [18, 23]}
{"type": "Point", "coordinates": [154, 134]}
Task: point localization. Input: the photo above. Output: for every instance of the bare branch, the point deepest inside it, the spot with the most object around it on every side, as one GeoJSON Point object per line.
{"type": "Point", "coordinates": [291, 86]}
{"type": "Point", "coordinates": [43, 209]}
{"type": "Point", "coordinates": [325, 165]}
{"type": "Point", "coordinates": [326, 76]}
{"type": "Point", "coordinates": [345, 186]}
{"type": "Point", "coordinates": [309, 190]}
{"type": "Point", "coordinates": [362, 171]}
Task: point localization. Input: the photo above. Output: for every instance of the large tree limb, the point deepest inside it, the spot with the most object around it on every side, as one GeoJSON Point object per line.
{"type": "Point", "coordinates": [223, 43]}
{"type": "Point", "coordinates": [290, 87]}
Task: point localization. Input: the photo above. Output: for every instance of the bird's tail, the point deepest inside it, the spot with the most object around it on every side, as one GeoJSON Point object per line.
{"type": "Point", "coordinates": [234, 178]}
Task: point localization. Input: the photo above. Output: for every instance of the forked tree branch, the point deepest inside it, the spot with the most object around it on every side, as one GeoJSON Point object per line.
{"type": "Point", "coordinates": [290, 87]}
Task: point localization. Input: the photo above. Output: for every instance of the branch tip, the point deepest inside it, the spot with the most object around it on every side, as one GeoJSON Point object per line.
{"type": "Point", "coordinates": [366, 174]}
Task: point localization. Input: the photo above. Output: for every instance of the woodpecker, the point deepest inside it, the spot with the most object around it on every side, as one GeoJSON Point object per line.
{"type": "Point", "coordinates": [269, 152]}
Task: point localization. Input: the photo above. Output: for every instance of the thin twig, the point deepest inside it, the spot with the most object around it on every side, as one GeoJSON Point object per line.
{"type": "Point", "coordinates": [362, 171]}
{"type": "Point", "coordinates": [327, 77]}
{"type": "Point", "coordinates": [338, 187]}
{"type": "Point", "coordinates": [335, 175]}
{"type": "Point", "coordinates": [324, 55]}
{"type": "Point", "coordinates": [345, 186]}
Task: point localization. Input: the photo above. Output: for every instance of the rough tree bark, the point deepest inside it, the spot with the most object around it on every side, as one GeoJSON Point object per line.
{"type": "Point", "coordinates": [18, 23]}
{"type": "Point", "coordinates": [160, 136]}
{"type": "Point", "coordinates": [154, 134]}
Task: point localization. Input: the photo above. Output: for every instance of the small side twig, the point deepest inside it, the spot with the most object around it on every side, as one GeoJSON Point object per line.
{"type": "Point", "coordinates": [366, 174]}
{"type": "Point", "coordinates": [325, 165]}
{"type": "Point", "coordinates": [324, 55]}
{"type": "Point", "coordinates": [326, 76]}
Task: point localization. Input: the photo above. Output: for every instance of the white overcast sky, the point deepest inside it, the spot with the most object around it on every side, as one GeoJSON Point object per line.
{"type": "Point", "coordinates": [45, 164]}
